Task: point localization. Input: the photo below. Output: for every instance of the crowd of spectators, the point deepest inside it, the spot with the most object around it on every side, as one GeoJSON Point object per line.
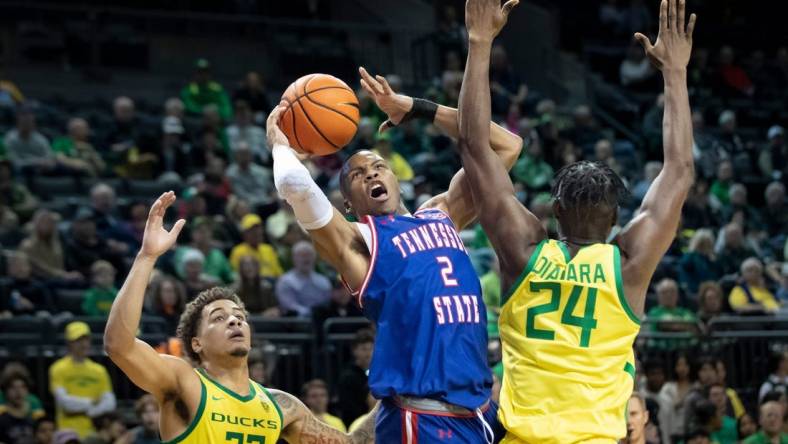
{"type": "Point", "coordinates": [209, 143]}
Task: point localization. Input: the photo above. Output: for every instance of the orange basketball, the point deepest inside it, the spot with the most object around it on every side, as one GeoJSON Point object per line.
{"type": "Point", "coordinates": [321, 116]}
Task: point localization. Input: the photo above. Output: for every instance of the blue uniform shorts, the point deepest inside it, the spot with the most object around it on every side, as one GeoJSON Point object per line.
{"type": "Point", "coordinates": [400, 425]}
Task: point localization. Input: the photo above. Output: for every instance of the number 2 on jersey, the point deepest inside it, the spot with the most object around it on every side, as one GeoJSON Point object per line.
{"type": "Point", "coordinates": [446, 270]}
{"type": "Point", "coordinates": [586, 322]}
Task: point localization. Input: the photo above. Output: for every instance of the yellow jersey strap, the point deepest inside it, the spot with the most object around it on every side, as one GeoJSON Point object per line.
{"type": "Point", "coordinates": [197, 415]}
{"type": "Point", "coordinates": [273, 401]}
{"type": "Point", "coordinates": [622, 299]}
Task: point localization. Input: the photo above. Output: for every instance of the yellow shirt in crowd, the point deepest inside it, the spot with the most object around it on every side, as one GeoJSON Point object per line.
{"type": "Point", "coordinates": [265, 255]}
{"type": "Point", "coordinates": [738, 298]}
{"type": "Point", "coordinates": [86, 379]}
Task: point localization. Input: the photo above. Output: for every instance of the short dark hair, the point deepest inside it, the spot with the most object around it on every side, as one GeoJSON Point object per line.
{"type": "Point", "coordinates": [773, 395]}
{"type": "Point", "coordinates": [101, 422]}
{"type": "Point", "coordinates": [585, 184]}
{"type": "Point", "coordinates": [653, 364]}
{"type": "Point", "coordinates": [705, 411]}
{"type": "Point", "coordinates": [10, 377]}
{"type": "Point", "coordinates": [313, 384]}
{"type": "Point", "coordinates": [363, 336]}
{"type": "Point", "coordinates": [192, 314]}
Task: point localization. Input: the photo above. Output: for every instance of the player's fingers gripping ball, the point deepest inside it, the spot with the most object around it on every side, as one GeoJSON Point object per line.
{"type": "Point", "coordinates": [321, 115]}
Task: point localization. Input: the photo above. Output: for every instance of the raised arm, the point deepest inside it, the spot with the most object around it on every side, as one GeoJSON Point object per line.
{"type": "Point", "coordinates": [336, 240]}
{"type": "Point", "coordinates": [156, 374]}
{"type": "Point", "coordinates": [457, 201]}
{"type": "Point", "coordinates": [301, 426]}
{"type": "Point", "coordinates": [646, 238]}
{"type": "Point", "coordinates": [513, 230]}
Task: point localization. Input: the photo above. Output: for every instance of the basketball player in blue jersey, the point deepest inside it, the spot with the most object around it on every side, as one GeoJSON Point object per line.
{"type": "Point", "coordinates": [412, 276]}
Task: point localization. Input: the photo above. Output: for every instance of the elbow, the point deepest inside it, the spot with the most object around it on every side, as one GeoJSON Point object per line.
{"type": "Point", "coordinates": [114, 344]}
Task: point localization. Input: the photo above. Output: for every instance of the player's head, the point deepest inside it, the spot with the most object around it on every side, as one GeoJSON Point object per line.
{"type": "Point", "coordinates": [213, 327]}
{"type": "Point", "coordinates": [637, 418]}
{"type": "Point", "coordinates": [368, 185]}
{"type": "Point", "coordinates": [587, 195]}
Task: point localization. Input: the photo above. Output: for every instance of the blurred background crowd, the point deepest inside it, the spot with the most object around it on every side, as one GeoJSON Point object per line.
{"type": "Point", "coordinates": [85, 147]}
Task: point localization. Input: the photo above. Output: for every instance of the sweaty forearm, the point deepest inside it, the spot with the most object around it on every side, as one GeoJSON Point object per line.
{"type": "Point", "coordinates": [677, 121]}
{"type": "Point", "coordinates": [124, 318]}
{"type": "Point", "coordinates": [506, 144]}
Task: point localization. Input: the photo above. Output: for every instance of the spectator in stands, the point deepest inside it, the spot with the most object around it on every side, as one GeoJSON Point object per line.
{"type": "Point", "coordinates": [637, 418]}
{"type": "Point", "coordinates": [244, 130]}
{"type": "Point", "coordinates": [194, 277]}
{"type": "Point", "coordinates": [83, 246]}
{"type": "Point", "coordinates": [584, 131]}
{"type": "Point", "coordinates": [778, 376]}
{"type": "Point", "coordinates": [353, 386]}
{"type": "Point", "coordinates": [302, 288]}
{"type": "Point", "coordinates": [173, 107]}
{"type": "Point", "coordinates": [81, 387]}
{"type": "Point", "coordinates": [76, 153]}
{"type": "Point", "coordinates": [733, 405]}
{"type": "Point", "coordinates": [775, 213]}
{"type": "Point", "coordinates": [27, 148]}
{"type": "Point", "coordinates": [216, 264]}
{"type": "Point", "coordinates": [699, 264]}
{"type": "Point", "coordinates": [10, 95]}
{"type": "Point", "coordinates": [253, 245]}
{"type": "Point", "coordinates": [147, 410]}
{"type": "Point", "coordinates": [44, 430]}
{"type": "Point", "coordinates": [508, 90]}
{"type": "Point", "coordinates": [532, 170]}
{"type": "Point", "coordinates": [251, 182]}
{"type": "Point", "coordinates": [603, 152]}
{"type": "Point", "coordinates": [697, 212]}
{"type": "Point", "coordinates": [710, 302]}
{"type": "Point", "coordinates": [258, 370]}
{"type": "Point", "coordinates": [751, 294]}
{"type": "Point", "coordinates": [739, 209]}
{"type": "Point", "coordinates": [109, 428]}
{"type": "Point", "coordinates": [650, 172]}
{"type": "Point", "coordinates": [451, 35]}
{"type": "Point", "coordinates": [16, 368]}
{"type": "Point", "coordinates": [203, 91]}
{"type": "Point", "coordinates": [733, 76]}
{"type": "Point", "coordinates": [13, 194]}
{"type": "Point", "coordinates": [252, 91]}
{"type": "Point", "coordinates": [674, 394]}
{"type": "Point", "coordinates": [707, 421]}
{"type": "Point", "coordinates": [45, 250]}
{"type": "Point", "coordinates": [733, 250]}
{"type": "Point", "coordinates": [707, 375]}
{"type": "Point", "coordinates": [167, 298]}
{"type": "Point", "coordinates": [398, 164]}
{"type": "Point", "coordinates": [721, 185]}
{"type": "Point", "coordinates": [774, 157]}
{"type": "Point", "coordinates": [315, 395]}
{"type": "Point", "coordinates": [668, 315]}
{"type": "Point", "coordinates": [20, 293]}
{"type": "Point", "coordinates": [341, 305]}
{"type": "Point", "coordinates": [109, 225]}
{"type": "Point", "coordinates": [131, 147]}
{"type": "Point", "coordinates": [654, 370]}
{"type": "Point", "coordinates": [771, 418]}
{"type": "Point", "coordinates": [746, 427]}
{"type": "Point", "coordinates": [727, 433]}
{"type": "Point", "coordinates": [256, 292]}
{"type": "Point", "coordinates": [636, 72]}
{"type": "Point", "coordinates": [17, 415]}
{"type": "Point", "coordinates": [138, 215]}
{"type": "Point", "coordinates": [743, 160]}
{"type": "Point", "coordinates": [177, 157]}
{"type": "Point", "coordinates": [212, 123]}
{"type": "Point", "coordinates": [99, 297]}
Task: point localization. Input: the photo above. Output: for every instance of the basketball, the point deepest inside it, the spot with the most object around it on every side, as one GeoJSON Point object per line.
{"type": "Point", "coordinates": [322, 114]}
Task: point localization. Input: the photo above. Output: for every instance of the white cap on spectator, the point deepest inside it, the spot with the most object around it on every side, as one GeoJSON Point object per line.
{"type": "Point", "coordinates": [726, 116]}
{"type": "Point", "coordinates": [172, 125]}
{"type": "Point", "coordinates": [775, 131]}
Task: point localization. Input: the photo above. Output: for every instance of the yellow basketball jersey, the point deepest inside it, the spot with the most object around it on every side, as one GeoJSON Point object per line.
{"type": "Point", "coordinates": [226, 417]}
{"type": "Point", "coordinates": [567, 334]}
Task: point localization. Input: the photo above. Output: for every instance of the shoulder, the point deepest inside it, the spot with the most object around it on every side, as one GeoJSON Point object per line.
{"type": "Point", "coordinates": [60, 365]}
{"type": "Point", "coordinates": [291, 407]}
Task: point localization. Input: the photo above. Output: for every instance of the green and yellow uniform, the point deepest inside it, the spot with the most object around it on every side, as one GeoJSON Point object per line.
{"type": "Point", "coordinates": [567, 334]}
{"type": "Point", "coordinates": [227, 417]}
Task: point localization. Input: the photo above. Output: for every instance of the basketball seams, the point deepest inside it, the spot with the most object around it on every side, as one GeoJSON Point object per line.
{"type": "Point", "coordinates": [332, 109]}
{"type": "Point", "coordinates": [306, 114]}
{"type": "Point", "coordinates": [307, 92]}
{"type": "Point", "coordinates": [293, 124]}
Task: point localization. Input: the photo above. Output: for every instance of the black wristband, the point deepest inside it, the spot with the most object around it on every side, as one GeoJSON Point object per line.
{"type": "Point", "coordinates": [421, 109]}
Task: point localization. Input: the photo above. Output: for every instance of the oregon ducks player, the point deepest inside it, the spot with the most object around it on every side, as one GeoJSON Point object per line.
{"type": "Point", "coordinates": [573, 304]}
{"type": "Point", "coordinates": [217, 402]}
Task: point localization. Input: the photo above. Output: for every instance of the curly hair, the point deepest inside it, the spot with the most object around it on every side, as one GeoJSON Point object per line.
{"type": "Point", "coordinates": [582, 185]}
{"type": "Point", "coordinates": [9, 377]}
{"type": "Point", "coordinates": [189, 323]}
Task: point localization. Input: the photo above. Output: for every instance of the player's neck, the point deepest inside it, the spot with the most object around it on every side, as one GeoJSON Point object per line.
{"type": "Point", "coordinates": [234, 375]}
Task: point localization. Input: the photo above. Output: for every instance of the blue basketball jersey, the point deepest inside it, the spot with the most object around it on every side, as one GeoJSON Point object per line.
{"type": "Point", "coordinates": [424, 296]}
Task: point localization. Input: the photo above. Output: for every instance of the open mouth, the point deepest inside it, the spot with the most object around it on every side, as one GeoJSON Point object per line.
{"type": "Point", "coordinates": [378, 192]}
{"type": "Point", "coordinates": [237, 334]}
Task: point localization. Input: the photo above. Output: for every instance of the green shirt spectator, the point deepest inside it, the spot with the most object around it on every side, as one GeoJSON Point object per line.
{"type": "Point", "coordinates": [761, 438]}
{"type": "Point", "coordinates": [216, 264]}
{"type": "Point", "coordinates": [667, 311]}
{"type": "Point", "coordinates": [491, 293]}
{"type": "Point", "coordinates": [531, 169]}
{"type": "Point", "coordinates": [98, 299]}
{"type": "Point", "coordinates": [728, 433]}
{"type": "Point", "coordinates": [205, 91]}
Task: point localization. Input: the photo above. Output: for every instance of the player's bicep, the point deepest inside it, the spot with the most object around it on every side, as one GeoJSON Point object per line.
{"type": "Point", "coordinates": [152, 372]}
{"type": "Point", "coordinates": [333, 243]}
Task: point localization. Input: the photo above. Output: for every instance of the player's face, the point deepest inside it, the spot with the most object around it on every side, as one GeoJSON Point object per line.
{"type": "Point", "coordinates": [372, 186]}
{"type": "Point", "coordinates": [223, 330]}
{"type": "Point", "coordinates": [636, 421]}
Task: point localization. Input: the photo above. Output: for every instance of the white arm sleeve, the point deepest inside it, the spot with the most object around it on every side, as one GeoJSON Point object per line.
{"type": "Point", "coordinates": [70, 403]}
{"type": "Point", "coordinates": [294, 184]}
{"type": "Point", "coordinates": [106, 404]}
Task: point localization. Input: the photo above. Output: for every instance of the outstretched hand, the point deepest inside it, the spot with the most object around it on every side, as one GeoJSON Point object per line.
{"type": "Point", "coordinates": [394, 105]}
{"type": "Point", "coordinates": [673, 47]}
{"type": "Point", "coordinates": [484, 19]}
{"type": "Point", "coordinates": [274, 134]}
{"type": "Point", "coordinates": [157, 240]}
